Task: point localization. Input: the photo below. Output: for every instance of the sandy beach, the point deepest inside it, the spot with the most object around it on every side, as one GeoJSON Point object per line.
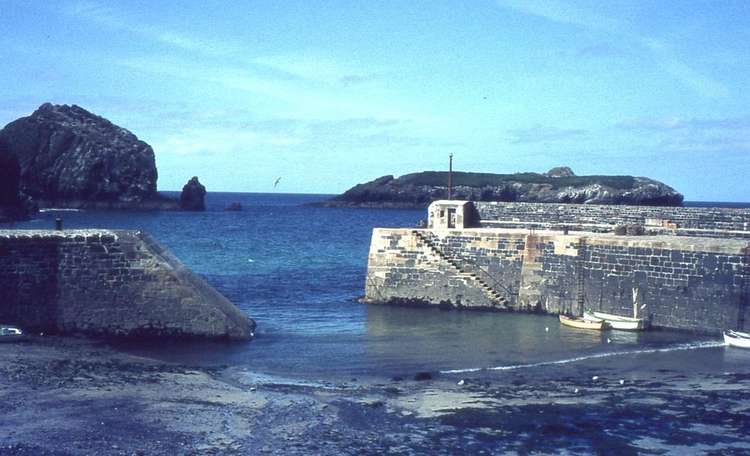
{"type": "Point", "coordinates": [70, 396]}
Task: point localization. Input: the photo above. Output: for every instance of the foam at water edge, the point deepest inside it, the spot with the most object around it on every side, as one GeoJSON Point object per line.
{"type": "Point", "coordinates": [255, 378]}
{"type": "Point", "coordinates": [60, 209]}
{"type": "Point", "coordinates": [688, 346]}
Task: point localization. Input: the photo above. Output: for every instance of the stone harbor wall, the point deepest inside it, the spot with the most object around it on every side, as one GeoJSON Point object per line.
{"type": "Point", "coordinates": [114, 283]}
{"type": "Point", "coordinates": [691, 283]}
{"type": "Point", "coordinates": [681, 221]}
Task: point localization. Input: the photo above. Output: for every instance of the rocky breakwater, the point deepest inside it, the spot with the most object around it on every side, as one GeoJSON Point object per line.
{"type": "Point", "coordinates": [559, 185]}
{"type": "Point", "coordinates": [69, 157]}
{"type": "Point", "coordinates": [109, 283]}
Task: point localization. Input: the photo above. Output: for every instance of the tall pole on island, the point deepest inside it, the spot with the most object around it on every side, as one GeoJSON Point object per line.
{"type": "Point", "coordinates": [450, 176]}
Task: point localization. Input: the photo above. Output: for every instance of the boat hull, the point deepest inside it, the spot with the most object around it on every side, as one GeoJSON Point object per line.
{"type": "Point", "coordinates": [11, 334]}
{"type": "Point", "coordinates": [737, 339]}
{"type": "Point", "coordinates": [581, 323]}
{"type": "Point", "coordinates": [4, 339]}
{"type": "Point", "coordinates": [619, 322]}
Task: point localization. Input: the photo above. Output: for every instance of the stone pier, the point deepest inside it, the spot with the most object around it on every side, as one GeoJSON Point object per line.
{"type": "Point", "coordinates": [692, 283]}
{"type": "Point", "coordinates": [112, 283]}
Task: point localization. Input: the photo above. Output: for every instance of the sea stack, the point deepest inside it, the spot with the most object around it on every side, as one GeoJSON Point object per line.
{"type": "Point", "coordinates": [69, 157]}
{"type": "Point", "coordinates": [193, 195]}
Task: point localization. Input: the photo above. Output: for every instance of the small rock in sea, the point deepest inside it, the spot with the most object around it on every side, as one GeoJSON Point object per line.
{"type": "Point", "coordinates": [234, 207]}
{"type": "Point", "coordinates": [397, 378]}
{"type": "Point", "coordinates": [595, 378]}
{"type": "Point", "coordinates": [193, 196]}
{"type": "Point", "coordinates": [422, 376]}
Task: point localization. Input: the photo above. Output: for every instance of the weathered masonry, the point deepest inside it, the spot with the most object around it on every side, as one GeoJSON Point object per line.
{"type": "Point", "coordinates": [693, 283]}
{"type": "Point", "coordinates": [120, 283]}
{"type": "Point", "coordinates": [677, 221]}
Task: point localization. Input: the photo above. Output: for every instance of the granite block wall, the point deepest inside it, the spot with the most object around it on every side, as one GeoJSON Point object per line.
{"type": "Point", "coordinates": [690, 221]}
{"type": "Point", "coordinates": [403, 270]}
{"type": "Point", "coordinates": [691, 283]}
{"type": "Point", "coordinates": [116, 283]}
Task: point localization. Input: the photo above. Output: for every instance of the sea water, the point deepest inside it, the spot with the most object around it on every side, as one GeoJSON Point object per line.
{"type": "Point", "coordinates": [298, 270]}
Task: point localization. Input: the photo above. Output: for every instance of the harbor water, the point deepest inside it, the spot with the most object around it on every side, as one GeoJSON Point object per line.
{"type": "Point", "coordinates": [298, 270]}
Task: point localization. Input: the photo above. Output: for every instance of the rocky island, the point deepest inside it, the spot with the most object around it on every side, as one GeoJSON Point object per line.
{"type": "Point", "coordinates": [69, 157]}
{"type": "Point", "coordinates": [559, 185]}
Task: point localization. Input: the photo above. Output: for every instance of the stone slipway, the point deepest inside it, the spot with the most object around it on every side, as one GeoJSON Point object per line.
{"type": "Point", "coordinates": [108, 282]}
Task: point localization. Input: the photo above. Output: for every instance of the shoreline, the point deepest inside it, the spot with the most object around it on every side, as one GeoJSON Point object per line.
{"type": "Point", "coordinates": [70, 396]}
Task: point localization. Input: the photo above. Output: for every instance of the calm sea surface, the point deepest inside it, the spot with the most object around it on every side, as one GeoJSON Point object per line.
{"type": "Point", "coordinates": [297, 270]}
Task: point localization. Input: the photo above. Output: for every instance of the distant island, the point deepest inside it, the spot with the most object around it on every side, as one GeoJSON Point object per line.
{"type": "Point", "coordinates": [559, 185]}
{"type": "Point", "coordinates": [66, 156]}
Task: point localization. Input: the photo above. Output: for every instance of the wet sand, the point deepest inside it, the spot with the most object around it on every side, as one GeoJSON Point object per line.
{"type": "Point", "coordinates": [68, 396]}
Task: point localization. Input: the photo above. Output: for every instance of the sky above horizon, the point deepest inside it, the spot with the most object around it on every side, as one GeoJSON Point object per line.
{"type": "Point", "coordinates": [328, 94]}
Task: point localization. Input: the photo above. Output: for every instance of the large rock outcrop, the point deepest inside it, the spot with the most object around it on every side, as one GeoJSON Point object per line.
{"type": "Point", "coordinates": [560, 185]}
{"type": "Point", "coordinates": [70, 157]}
{"type": "Point", "coordinates": [193, 196]}
{"type": "Point", "coordinates": [13, 205]}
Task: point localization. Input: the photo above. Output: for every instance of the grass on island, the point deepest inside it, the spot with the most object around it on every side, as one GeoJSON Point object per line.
{"type": "Point", "coordinates": [440, 178]}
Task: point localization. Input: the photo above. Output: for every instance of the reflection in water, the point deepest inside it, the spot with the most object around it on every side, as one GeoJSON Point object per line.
{"type": "Point", "coordinates": [442, 340]}
{"type": "Point", "coordinates": [431, 339]}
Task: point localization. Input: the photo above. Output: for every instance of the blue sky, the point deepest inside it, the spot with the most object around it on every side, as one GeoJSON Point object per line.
{"type": "Point", "coordinates": [328, 94]}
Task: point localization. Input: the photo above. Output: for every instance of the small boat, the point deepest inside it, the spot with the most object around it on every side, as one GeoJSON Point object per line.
{"type": "Point", "coordinates": [737, 339]}
{"type": "Point", "coordinates": [617, 321]}
{"type": "Point", "coordinates": [588, 316]}
{"type": "Point", "coordinates": [11, 334]}
{"type": "Point", "coordinates": [581, 323]}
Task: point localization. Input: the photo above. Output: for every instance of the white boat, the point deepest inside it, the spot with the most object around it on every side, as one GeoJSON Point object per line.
{"type": "Point", "coordinates": [581, 323]}
{"type": "Point", "coordinates": [11, 334]}
{"type": "Point", "coordinates": [737, 339]}
{"type": "Point", "coordinates": [617, 321]}
{"type": "Point", "coordinates": [589, 316]}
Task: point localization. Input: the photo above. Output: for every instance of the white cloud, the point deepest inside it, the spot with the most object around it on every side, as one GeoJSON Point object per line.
{"type": "Point", "coordinates": [312, 66]}
{"type": "Point", "coordinates": [106, 16]}
{"type": "Point", "coordinates": [214, 141]}
{"type": "Point", "coordinates": [709, 135]}
{"type": "Point", "coordinates": [725, 124]}
{"type": "Point", "coordinates": [540, 133]}
{"type": "Point", "coordinates": [305, 84]}
{"type": "Point", "coordinates": [689, 77]}
{"type": "Point", "coordinates": [572, 14]}
{"type": "Point", "coordinates": [562, 12]}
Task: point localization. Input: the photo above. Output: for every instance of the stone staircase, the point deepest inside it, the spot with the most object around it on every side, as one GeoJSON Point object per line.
{"type": "Point", "coordinates": [463, 269]}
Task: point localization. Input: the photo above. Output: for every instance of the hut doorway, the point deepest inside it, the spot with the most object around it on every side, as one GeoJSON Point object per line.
{"type": "Point", "coordinates": [451, 217]}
